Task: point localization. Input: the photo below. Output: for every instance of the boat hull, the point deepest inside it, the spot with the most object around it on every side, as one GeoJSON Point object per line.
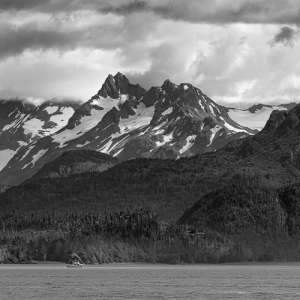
{"type": "Point", "coordinates": [74, 267]}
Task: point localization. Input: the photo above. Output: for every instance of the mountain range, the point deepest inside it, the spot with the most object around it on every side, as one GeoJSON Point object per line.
{"type": "Point", "coordinates": [271, 158]}
{"type": "Point", "coordinates": [235, 203]}
{"type": "Point", "coordinates": [122, 120]}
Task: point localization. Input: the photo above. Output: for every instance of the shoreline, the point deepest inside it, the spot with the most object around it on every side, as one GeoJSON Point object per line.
{"type": "Point", "coordinates": [116, 264]}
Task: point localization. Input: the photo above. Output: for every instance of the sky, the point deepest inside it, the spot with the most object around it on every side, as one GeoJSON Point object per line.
{"type": "Point", "coordinates": [238, 52]}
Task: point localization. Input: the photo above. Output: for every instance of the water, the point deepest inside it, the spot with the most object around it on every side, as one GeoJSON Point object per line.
{"type": "Point", "coordinates": [141, 281]}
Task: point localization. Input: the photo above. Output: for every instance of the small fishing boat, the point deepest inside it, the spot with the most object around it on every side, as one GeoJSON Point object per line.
{"type": "Point", "coordinates": [75, 264]}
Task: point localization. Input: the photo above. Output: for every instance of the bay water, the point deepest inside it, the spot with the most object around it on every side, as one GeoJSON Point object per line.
{"type": "Point", "coordinates": [146, 281]}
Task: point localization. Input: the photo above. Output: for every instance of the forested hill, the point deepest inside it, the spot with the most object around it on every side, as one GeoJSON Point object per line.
{"type": "Point", "coordinates": [238, 223]}
{"type": "Point", "coordinates": [243, 206]}
{"type": "Point", "coordinates": [75, 162]}
{"type": "Point", "coordinates": [262, 223]}
{"type": "Point", "coordinates": [167, 187]}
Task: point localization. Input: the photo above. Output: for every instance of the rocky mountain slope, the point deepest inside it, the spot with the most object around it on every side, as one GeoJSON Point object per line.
{"type": "Point", "coordinates": [22, 123]}
{"type": "Point", "coordinates": [126, 121]}
{"type": "Point", "coordinates": [75, 162]}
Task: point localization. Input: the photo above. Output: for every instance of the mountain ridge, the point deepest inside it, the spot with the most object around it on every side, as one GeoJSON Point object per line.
{"type": "Point", "coordinates": [170, 121]}
{"type": "Point", "coordinates": [271, 159]}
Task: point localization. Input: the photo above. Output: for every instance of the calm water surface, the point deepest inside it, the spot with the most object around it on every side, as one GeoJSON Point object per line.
{"type": "Point", "coordinates": [139, 281]}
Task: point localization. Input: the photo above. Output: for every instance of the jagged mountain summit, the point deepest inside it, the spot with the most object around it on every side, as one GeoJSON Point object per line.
{"type": "Point", "coordinates": [126, 121]}
{"type": "Point", "coordinates": [168, 122]}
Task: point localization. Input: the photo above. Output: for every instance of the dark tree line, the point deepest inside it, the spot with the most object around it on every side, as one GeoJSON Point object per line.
{"type": "Point", "coordinates": [240, 222]}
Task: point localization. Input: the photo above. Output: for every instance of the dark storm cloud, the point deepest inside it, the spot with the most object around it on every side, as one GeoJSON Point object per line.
{"type": "Point", "coordinates": [14, 41]}
{"type": "Point", "coordinates": [286, 36]}
{"type": "Point", "coordinates": [22, 4]}
{"type": "Point", "coordinates": [208, 11]}
{"type": "Point", "coordinates": [39, 5]}
{"type": "Point", "coordinates": [134, 6]}
{"type": "Point", "coordinates": [195, 11]}
{"type": "Point", "coordinates": [49, 6]}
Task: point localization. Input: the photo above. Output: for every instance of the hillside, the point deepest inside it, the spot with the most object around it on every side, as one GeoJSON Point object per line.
{"type": "Point", "coordinates": [75, 162]}
{"type": "Point", "coordinates": [254, 223]}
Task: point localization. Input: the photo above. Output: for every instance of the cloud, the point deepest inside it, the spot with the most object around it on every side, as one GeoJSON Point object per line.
{"type": "Point", "coordinates": [165, 61]}
{"type": "Point", "coordinates": [72, 45]}
{"type": "Point", "coordinates": [51, 6]}
{"type": "Point", "coordinates": [20, 5]}
{"type": "Point", "coordinates": [195, 11]}
{"type": "Point", "coordinates": [76, 74]}
{"type": "Point", "coordinates": [14, 41]}
{"type": "Point", "coordinates": [224, 64]}
{"type": "Point", "coordinates": [213, 11]}
{"type": "Point", "coordinates": [286, 36]}
{"type": "Point", "coordinates": [62, 34]}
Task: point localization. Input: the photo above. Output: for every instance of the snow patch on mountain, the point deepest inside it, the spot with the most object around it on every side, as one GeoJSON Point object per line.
{"type": "Point", "coordinates": [166, 139]}
{"type": "Point", "coordinates": [51, 109]}
{"type": "Point", "coordinates": [60, 120]}
{"type": "Point", "coordinates": [118, 152]}
{"type": "Point", "coordinates": [231, 128]}
{"type": "Point", "coordinates": [12, 112]}
{"type": "Point", "coordinates": [18, 119]}
{"type": "Point", "coordinates": [215, 107]}
{"type": "Point", "coordinates": [82, 145]}
{"type": "Point", "coordinates": [21, 143]}
{"type": "Point", "coordinates": [142, 118]}
{"type": "Point", "coordinates": [86, 122]}
{"type": "Point", "coordinates": [200, 103]}
{"type": "Point", "coordinates": [5, 156]}
{"type": "Point", "coordinates": [167, 111]}
{"type": "Point", "coordinates": [106, 147]}
{"type": "Point", "coordinates": [213, 130]}
{"type": "Point", "coordinates": [35, 158]}
{"type": "Point", "coordinates": [106, 127]}
{"type": "Point", "coordinates": [251, 120]}
{"type": "Point", "coordinates": [26, 153]}
{"type": "Point", "coordinates": [123, 98]}
{"type": "Point", "coordinates": [211, 110]}
{"type": "Point", "coordinates": [105, 103]}
{"type": "Point", "coordinates": [157, 129]}
{"type": "Point", "coordinates": [121, 142]}
{"type": "Point", "coordinates": [33, 126]}
{"type": "Point", "coordinates": [189, 143]}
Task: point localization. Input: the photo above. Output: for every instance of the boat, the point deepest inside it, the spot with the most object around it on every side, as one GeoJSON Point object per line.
{"type": "Point", "coordinates": [75, 264]}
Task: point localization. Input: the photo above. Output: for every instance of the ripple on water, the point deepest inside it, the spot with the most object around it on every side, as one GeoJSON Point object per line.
{"type": "Point", "coordinates": [140, 281]}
